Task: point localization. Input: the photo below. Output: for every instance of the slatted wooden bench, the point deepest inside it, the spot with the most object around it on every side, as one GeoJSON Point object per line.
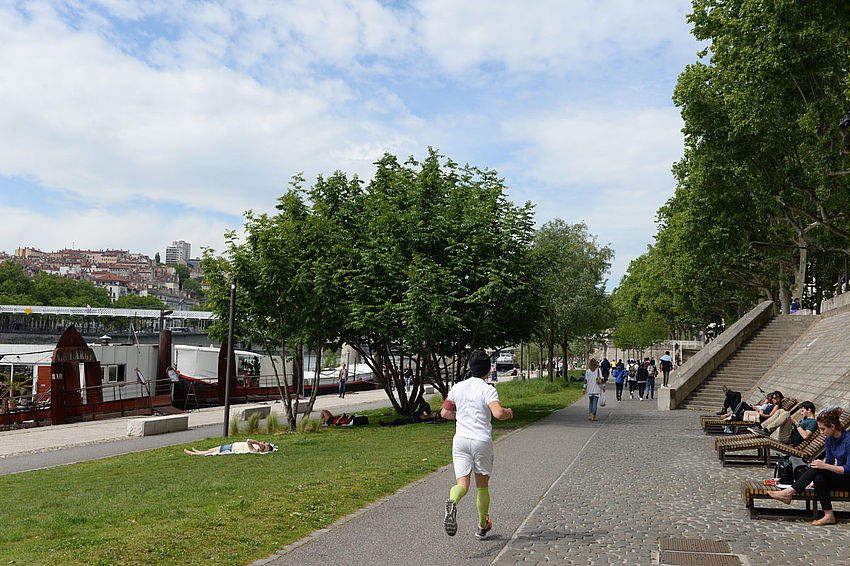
{"type": "Point", "coordinates": [713, 424]}
{"type": "Point", "coordinates": [729, 452]}
{"type": "Point", "coordinates": [752, 490]}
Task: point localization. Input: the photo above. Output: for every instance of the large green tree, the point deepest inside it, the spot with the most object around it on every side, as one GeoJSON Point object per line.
{"type": "Point", "coordinates": [571, 268]}
{"type": "Point", "coordinates": [764, 162]}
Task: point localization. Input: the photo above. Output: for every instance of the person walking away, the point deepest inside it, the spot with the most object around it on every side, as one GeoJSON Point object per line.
{"type": "Point", "coordinates": [666, 366]}
{"type": "Point", "coordinates": [343, 377]}
{"type": "Point", "coordinates": [631, 378]}
{"type": "Point", "coordinates": [605, 368]}
{"type": "Point", "coordinates": [830, 474]}
{"type": "Point", "coordinates": [593, 385]}
{"type": "Point", "coordinates": [471, 403]}
{"type": "Point", "coordinates": [642, 376]}
{"type": "Point", "coordinates": [408, 378]}
{"type": "Point", "coordinates": [651, 372]}
{"type": "Point", "coordinates": [493, 376]}
{"type": "Point", "coordinates": [619, 374]}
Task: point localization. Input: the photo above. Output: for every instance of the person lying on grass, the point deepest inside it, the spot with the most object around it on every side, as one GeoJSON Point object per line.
{"type": "Point", "coordinates": [250, 446]}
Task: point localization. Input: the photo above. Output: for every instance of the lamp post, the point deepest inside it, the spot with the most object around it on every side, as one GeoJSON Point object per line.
{"type": "Point", "coordinates": [229, 358]}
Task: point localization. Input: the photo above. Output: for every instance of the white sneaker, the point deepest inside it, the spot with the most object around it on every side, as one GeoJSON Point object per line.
{"type": "Point", "coordinates": [641, 398]}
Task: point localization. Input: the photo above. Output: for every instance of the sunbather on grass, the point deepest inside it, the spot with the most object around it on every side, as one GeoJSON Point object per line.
{"type": "Point", "coordinates": [247, 447]}
{"type": "Point", "coordinates": [831, 473]}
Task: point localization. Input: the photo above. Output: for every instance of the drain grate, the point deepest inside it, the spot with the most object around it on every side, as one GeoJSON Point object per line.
{"type": "Point", "coordinates": [696, 552]}
{"type": "Point", "coordinates": [698, 559]}
{"type": "Point", "coordinates": [694, 545]}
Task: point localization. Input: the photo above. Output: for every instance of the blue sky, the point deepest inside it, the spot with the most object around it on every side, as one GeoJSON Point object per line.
{"type": "Point", "coordinates": [131, 123]}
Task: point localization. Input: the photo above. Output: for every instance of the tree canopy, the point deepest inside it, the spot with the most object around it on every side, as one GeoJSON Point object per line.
{"type": "Point", "coordinates": [762, 201]}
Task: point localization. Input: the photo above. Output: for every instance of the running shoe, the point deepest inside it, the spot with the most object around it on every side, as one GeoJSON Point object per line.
{"type": "Point", "coordinates": [482, 531]}
{"type": "Point", "coordinates": [450, 521]}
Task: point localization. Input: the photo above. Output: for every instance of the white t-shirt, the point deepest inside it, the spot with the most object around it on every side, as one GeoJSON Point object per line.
{"type": "Point", "coordinates": [472, 398]}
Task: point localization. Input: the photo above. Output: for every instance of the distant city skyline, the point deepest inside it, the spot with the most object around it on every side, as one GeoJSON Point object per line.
{"type": "Point", "coordinates": [131, 124]}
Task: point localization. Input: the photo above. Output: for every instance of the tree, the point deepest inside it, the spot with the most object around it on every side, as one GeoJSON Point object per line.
{"type": "Point", "coordinates": [764, 157]}
{"type": "Point", "coordinates": [438, 263]}
{"type": "Point", "coordinates": [183, 272]}
{"type": "Point", "coordinates": [194, 288]}
{"type": "Point", "coordinates": [570, 277]}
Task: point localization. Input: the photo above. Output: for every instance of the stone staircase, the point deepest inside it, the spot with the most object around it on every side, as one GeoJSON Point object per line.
{"type": "Point", "coordinates": [743, 369]}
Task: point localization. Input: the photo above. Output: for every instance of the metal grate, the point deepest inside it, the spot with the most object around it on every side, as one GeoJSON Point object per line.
{"type": "Point", "coordinates": [694, 545]}
{"type": "Point", "coordinates": [698, 559]}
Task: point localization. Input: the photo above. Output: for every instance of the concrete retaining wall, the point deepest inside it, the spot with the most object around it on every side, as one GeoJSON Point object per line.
{"type": "Point", "coordinates": [688, 377]}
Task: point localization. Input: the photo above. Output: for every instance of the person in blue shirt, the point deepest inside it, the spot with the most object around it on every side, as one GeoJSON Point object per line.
{"type": "Point", "coordinates": [619, 374]}
{"type": "Point", "coordinates": [831, 473]}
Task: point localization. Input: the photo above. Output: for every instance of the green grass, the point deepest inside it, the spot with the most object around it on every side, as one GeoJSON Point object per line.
{"type": "Point", "coordinates": [163, 507]}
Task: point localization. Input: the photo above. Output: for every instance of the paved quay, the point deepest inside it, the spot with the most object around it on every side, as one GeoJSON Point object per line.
{"type": "Point", "coordinates": [568, 491]}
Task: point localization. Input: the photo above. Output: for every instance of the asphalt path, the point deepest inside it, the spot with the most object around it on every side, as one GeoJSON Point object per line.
{"type": "Point", "coordinates": [407, 527]}
{"type": "Point", "coordinates": [125, 445]}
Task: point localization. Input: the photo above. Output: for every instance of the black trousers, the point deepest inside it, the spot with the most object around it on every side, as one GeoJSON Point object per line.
{"type": "Point", "coordinates": [825, 481]}
{"type": "Point", "coordinates": [641, 388]}
{"type": "Point", "coordinates": [619, 390]}
{"type": "Point", "coordinates": [732, 400]}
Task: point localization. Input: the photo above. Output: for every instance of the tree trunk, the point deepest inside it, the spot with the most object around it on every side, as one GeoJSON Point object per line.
{"type": "Point", "coordinates": [783, 291]}
{"type": "Point", "coordinates": [800, 274]}
{"type": "Point", "coordinates": [551, 352]}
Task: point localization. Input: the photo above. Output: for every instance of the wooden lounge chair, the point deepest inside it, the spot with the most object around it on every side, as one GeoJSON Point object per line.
{"type": "Point", "coordinates": [713, 424]}
{"type": "Point", "coordinates": [768, 449]}
{"type": "Point", "coordinates": [753, 489]}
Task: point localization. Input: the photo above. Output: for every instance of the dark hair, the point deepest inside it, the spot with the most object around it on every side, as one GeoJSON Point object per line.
{"type": "Point", "coordinates": [808, 405]}
{"type": "Point", "coordinates": [831, 418]}
{"type": "Point", "coordinates": [777, 394]}
{"type": "Point", "coordinates": [479, 363]}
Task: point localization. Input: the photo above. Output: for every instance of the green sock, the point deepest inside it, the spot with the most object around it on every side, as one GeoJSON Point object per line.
{"type": "Point", "coordinates": [483, 503]}
{"type": "Point", "coordinates": [457, 492]}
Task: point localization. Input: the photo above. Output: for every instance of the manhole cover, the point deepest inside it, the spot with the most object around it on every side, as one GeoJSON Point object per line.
{"type": "Point", "coordinates": [698, 559]}
{"type": "Point", "coordinates": [694, 545]}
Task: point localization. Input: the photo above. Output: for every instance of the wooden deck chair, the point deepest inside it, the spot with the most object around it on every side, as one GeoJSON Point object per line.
{"type": "Point", "coordinates": [768, 449]}
{"type": "Point", "coordinates": [749, 435]}
{"type": "Point", "coordinates": [712, 424]}
{"type": "Point", "coordinates": [752, 490]}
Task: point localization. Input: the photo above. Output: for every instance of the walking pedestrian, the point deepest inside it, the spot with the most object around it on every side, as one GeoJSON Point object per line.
{"type": "Point", "coordinates": [651, 372]}
{"type": "Point", "coordinates": [471, 403]}
{"type": "Point", "coordinates": [619, 374]}
{"type": "Point", "coordinates": [408, 378]}
{"type": "Point", "coordinates": [343, 377]}
{"type": "Point", "coordinates": [642, 376]}
{"type": "Point", "coordinates": [666, 366]}
{"type": "Point", "coordinates": [631, 378]}
{"type": "Point", "coordinates": [605, 368]}
{"type": "Point", "coordinates": [594, 385]}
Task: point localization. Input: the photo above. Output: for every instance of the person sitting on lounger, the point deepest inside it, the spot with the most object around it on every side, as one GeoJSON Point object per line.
{"type": "Point", "coordinates": [247, 447]}
{"type": "Point", "coordinates": [785, 429]}
{"type": "Point", "coordinates": [765, 410]}
{"type": "Point", "coordinates": [730, 401]}
{"type": "Point", "coordinates": [830, 474]}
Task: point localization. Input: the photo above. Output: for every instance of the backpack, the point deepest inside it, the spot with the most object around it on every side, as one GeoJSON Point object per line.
{"type": "Point", "coordinates": [632, 370]}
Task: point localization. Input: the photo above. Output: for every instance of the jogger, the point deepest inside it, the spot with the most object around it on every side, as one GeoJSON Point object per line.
{"type": "Point", "coordinates": [471, 403]}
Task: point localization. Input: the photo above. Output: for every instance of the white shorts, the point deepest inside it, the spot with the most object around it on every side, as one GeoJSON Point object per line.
{"type": "Point", "coordinates": [472, 456]}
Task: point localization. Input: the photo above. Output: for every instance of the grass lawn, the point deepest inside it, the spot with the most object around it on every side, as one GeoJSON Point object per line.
{"type": "Point", "coordinates": [163, 507]}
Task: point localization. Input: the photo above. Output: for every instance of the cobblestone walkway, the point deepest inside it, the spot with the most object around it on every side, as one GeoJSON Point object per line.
{"type": "Point", "coordinates": [646, 475]}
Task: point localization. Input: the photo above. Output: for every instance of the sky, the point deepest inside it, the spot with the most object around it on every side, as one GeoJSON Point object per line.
{"type": "Point", "coordinates": [128, 124]}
